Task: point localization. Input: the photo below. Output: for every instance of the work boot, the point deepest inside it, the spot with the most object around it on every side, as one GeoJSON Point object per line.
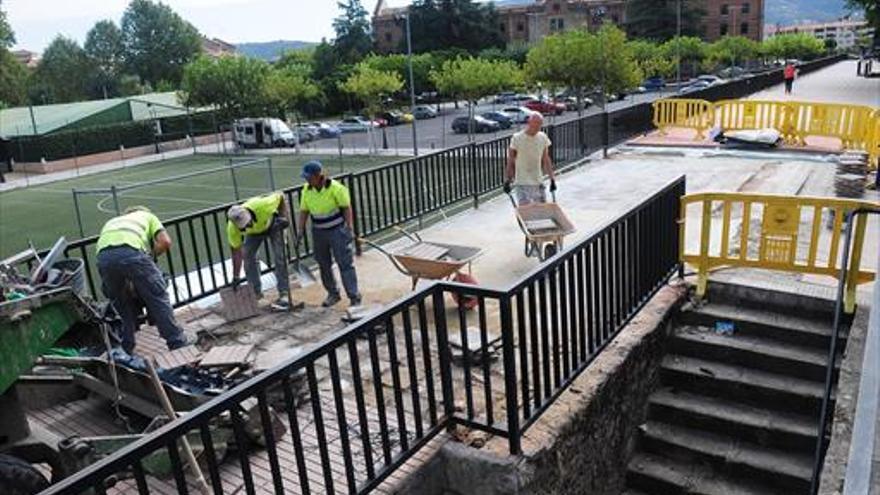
{"type": "Point", "coordinates": [355, 301]}
{"type": "Point", "coordinates": [283, 304]}
{"type": "Point", "coordinates": [331, 300]}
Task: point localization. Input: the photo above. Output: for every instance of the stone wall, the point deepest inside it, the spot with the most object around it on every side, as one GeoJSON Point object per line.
{"type": "Point", "coordinates": [581, 444]}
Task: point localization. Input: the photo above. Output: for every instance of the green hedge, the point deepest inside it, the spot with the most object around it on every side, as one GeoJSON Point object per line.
{"type": "Point", "coordinates": [99, 139]}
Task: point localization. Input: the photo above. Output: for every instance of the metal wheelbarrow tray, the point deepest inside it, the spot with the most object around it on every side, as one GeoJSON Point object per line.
{"type": "Point", "coordinates": [543, 223]}
{"type": "Point", "coordinates": [430, 260]}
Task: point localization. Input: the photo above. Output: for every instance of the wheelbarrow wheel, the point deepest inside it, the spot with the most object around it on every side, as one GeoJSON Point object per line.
{"type": "Point", "coordinates": [550, 250]}
{"type": "Point", "coordinates": [465, 302]}
{"type": "Point", "coordinates": [19, 477]}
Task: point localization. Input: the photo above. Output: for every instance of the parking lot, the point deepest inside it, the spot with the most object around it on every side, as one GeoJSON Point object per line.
{"type": "Point", "coordinates": [436, 133]}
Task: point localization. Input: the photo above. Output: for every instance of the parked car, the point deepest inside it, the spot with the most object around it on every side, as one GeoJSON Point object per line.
{"type": "Point", "coordinates": [356, 124]}
{"type": "Point", "coordinates": [424, 112]}
{"type": "Point", "coordinates": [263, 133]}
{"type": "Point", "coordinates": [546, 107]}
{"type": "Point", "coordinates": [733, 72]}
{"type": "Point", "coordinates": [655, 83]}
{"type": "Point", "coordinates": [518, 114]}
{"type": "Point", "coordinates": [326, 130]}
{"type": "Point", "coordinates": [392, 117]}
{"type": "Point", "coordinates": [306, 133]}
{"type": "Point", "coordinates": [504, 98]}
{"type": "Point", "coordinates": [478, 124]}
{"type": "Point", "coordinates": [379, 121]}
{"type": "Point", "coordinates": [712, 80]}
{"type": "Point", "coordinates": [694, 86]}
{"type": "Point", "coordinates": [504, 120]}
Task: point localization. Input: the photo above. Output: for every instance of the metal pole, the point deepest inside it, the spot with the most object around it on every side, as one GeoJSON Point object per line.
{"type": "Point", "coordinates": [33, 120]}
{"type": "Point", "coordinates": [412, 86]}
{"type": "Point", "coordinates": [339, 146]}
{"type": "Point", "coordinates": [115, 198]}
{"type": "Point", "coordinates": [234, 180]}
{"type": "Point", "coordinates": [79, 220]}
{"type": "Point", "coordinates": [678, 46]}
{"type": "Point", "coordinates": [271, 175]}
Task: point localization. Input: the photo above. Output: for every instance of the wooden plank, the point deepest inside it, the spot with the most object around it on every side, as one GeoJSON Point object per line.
{"type": "Point", "coordinates": [226, 355]}
{"type": "Point", "coordinates": [178, 357]}
{"type": "Point", "coordinates": [425, 251]}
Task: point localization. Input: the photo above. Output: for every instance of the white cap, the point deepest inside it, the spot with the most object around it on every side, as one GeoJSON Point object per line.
{"type": "Point", "coordinates": [239, 215]}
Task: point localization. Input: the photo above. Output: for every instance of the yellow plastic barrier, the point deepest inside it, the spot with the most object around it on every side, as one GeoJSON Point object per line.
{"type": "Point", "coordinates": [753, 114]}
{"type": "Point", "coordinates": [852, 124]}
{"type": "Point", "coordinates": [687, 113]}
{"type": "Point", "coordinates": [784, 233]}
{"type": "Point", "coordinates": [874, 141]}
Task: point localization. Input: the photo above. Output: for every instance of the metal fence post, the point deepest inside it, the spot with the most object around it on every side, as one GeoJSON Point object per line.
{"type": "Point", "coordinates": [510, 395]}
{"type": "Point", "coordinates": [357, 221]}
{"type": "Point", "coordinates": [472, 157]}
{"type": "Point", "coordinates": [79, 220]}
{"type": "Point", "coordinates": [115, 198]}
{"type": "Point", "coordinates": [445, 359]}
{"type": "Point", "coordinates": [271, 175]}
{"type": "Point", "coordinates": [234, 180]}
{"type": "Point", "coordinates": [606, 132]}
{"type": "Point", "coordinates": [551, 133]}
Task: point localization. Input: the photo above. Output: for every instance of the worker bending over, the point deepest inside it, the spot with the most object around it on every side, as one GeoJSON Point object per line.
{"type": "Point", "coordinates": [328, 204]}
{"type": "Point", "coordinates": [528, 159]}
{"type": "Point", "coordinates": [250, 223]}
{"type": "Point", "coordinates": [127, 247]}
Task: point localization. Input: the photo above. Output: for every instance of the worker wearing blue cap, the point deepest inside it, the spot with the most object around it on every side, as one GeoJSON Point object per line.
{"type": "Point", "coordinates": [328, 204]}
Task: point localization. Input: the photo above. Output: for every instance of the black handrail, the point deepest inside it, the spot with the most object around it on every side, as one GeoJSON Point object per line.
{"type": "Point", "coordinates": [819, 450]}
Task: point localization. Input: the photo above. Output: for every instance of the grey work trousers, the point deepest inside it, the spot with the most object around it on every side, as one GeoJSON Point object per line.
{"type": "Point", "coordinates": [251, 250]}
{"type": "Point", "coordinates": [336, 244]}
{"type": "Point", "coordinates": [128, 275]}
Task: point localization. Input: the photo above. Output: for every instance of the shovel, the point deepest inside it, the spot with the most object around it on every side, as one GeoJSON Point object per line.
{"type": "Point", "coordinates": [304, 274]}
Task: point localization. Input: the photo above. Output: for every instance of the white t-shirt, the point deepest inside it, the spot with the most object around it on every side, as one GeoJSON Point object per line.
{"type": "Point", "coordinates": [529, 152]}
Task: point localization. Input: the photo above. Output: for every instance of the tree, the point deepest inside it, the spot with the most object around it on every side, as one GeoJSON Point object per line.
{"type": "Point", "coordinates": [234, 84]}
{"type": "Point", "coordinates": [13, 75]}
{"type": "Point", "coordinates": [158, 42]}
{"type": "Point", "coordinates": [472, 78]}
{"type": "Point", "coordinates": [651, 58]}
{"type": "Point", "coordinates": [353, 41]}
{"type": "Point", "coordinates": [830, 45]}
{"type": "Point", "coordinates": [656, 19]}
{"type": "Point", "coordinates": [570, 60]}
{"type": "Point", "coordinates": [105, 48]}
{"type": "Point", "coordinates": [691, 49]}
{"type": "Point", "coordinates": [792, 45]}
{"type": "Point", "coordinates": [287, 90]}
{"type": "Point", "coordinates": [465, 24]}
{"type": "Point", "coordinates": [617, 67]}
{"type": "Point", "coordinates": [7, 35]}
{"type": "Point", "coordinates": [64, 72]}
{"type": "Point", "coordinates": [872, 15]}
{"type": "Point", "coordinates": [732, 50]}
{"type": "Point", "coordinates": [371, 86]}
{"type": "Point", "coordinates": [423, 64]}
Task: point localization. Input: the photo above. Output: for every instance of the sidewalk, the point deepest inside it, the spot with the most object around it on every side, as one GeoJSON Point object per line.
{"type": "Point", "coordinates": [837, 83]}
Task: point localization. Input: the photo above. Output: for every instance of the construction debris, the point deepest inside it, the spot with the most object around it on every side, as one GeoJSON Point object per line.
{"type": "Point", "coordinates": [239, 303]}
{"type": "Point", "coordinates": [474, 351]}
{"type": "Point", "coordinates": [226, 356]}
{"type": "Point", "coordinates": [179, 357]}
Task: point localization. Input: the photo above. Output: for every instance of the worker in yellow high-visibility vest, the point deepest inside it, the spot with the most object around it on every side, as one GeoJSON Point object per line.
{"type": "Point", "coordinates": [327, 203]}
{"type": "Point", "coordinates": [130, 277]}
{"type": "Point", "coordinates": [250, 223]}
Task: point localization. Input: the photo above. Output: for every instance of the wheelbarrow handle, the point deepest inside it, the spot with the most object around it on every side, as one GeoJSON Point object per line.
{"type": "Point", "coordinates": [512, 201]}
{"type": "Point", "coordinates": [390, 256]}
{"type": "Point", "coordinates": [415, 237]}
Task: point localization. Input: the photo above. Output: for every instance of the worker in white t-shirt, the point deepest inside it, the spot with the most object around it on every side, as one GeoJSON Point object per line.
{"type": "Point", "coordinates": [528, 159]}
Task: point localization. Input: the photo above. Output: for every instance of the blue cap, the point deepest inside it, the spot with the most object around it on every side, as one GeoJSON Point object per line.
{"type": "Point", "coordinates": [311, 169]}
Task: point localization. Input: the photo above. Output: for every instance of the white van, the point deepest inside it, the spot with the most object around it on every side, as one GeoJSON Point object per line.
{"type": "Point", "coordinates": [263, 133]}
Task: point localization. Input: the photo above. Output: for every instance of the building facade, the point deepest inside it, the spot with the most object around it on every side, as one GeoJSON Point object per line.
{"type": "Point", "coordinates": [846, 33]}
{"type": "Point", "coordinates": [528, 21]}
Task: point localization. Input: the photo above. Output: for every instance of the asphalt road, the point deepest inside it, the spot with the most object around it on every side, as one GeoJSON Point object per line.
{"type": "Point", "coordinates": [436, 133]}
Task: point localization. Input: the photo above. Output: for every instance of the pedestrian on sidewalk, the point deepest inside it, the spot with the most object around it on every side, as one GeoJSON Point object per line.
{"type": "Point", "coordinates": [130, 278]}
{"type": "Point", "coordinates": [250, 223]}
{"type": "Point", "coordinates": [528, 160]}
{"type": "Point", "coordinates": [327, 202]}
{"type": "Point", "coordinates": [789, 72]}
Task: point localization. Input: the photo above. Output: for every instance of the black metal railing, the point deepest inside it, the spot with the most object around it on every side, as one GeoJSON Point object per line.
{"type": "Point", "coordinates": [367, 398]}
{"type": "Point", "coordinates": [825, 413]}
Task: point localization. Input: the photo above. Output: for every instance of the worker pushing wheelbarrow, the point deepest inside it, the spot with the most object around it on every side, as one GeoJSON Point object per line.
{"type": "Point", "coordinates": [528, 160]}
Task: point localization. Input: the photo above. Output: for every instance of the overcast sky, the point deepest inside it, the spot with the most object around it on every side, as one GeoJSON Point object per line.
{"type": "Point", "coordinates": [37, 22]}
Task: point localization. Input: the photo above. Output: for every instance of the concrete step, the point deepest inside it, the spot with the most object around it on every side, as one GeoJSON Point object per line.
{"type": "Point", "coordinates": [804, 330]}
{"type": "Point", "coordinates": [791, 299]}
{"type": "Point", "coordinates": [752, 351]}
{"type": "Point", "coordinates": [744, 385]}
{"type": "Point", "coordinates": [659, 475]}
{"type": "Point", "coordinates": [775, 429]}
{"type": "Point", "coordinates": [734, 459]}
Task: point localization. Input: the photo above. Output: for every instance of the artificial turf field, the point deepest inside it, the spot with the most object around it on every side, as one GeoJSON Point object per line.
{"type": "Point", "coordinates": [43, 213]}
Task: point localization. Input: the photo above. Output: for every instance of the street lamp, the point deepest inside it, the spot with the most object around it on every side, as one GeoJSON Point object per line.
{"type": "Point", "coordinates": [412, 86]}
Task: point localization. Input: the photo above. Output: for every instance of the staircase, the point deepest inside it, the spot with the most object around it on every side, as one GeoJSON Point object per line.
{"type": "Point", "coordinates": [737, 414]}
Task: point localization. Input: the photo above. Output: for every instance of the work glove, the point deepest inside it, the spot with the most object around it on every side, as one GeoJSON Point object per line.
{"type": "Point", "coordinates": [506, 187]}
{"type": "Point", "coordinates": [552, 186]}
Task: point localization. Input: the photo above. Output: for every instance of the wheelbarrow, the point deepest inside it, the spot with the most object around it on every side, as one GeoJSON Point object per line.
{"type": "Point", "coordinates": [545, 226]}
{"type": "Point", "coordinates": [429, 260]}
